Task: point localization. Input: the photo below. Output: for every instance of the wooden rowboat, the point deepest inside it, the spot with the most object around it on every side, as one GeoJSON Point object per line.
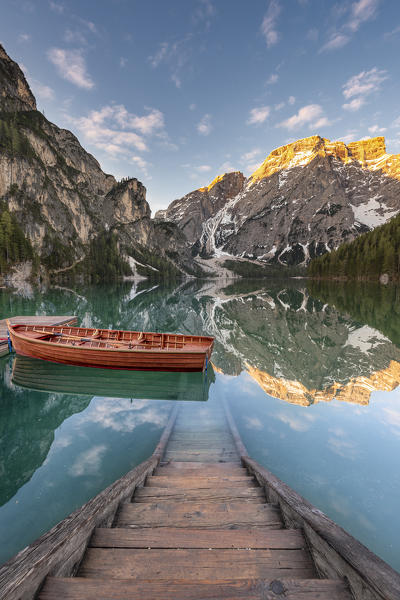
{"type": "Point", "coordinates": [111, 348]}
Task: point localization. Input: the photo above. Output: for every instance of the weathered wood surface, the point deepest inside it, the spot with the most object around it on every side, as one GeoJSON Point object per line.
{"type": "Point", "coordinates": [31, 320]}
{"type": "Point", "coordinates": [59, 551]}
{"type": "Point", "coordinates": [168, 537]}
{"type": "Point", "coordinates": [153, 494]}
{"type": "Point", "coordinates": [222, 515]}
{"type": "Point", "coordinates": [252, 589]}
{"type": "Point", "coordinates": [336, 553]}
{"type": "Point", "coordinates": [198, 529]}
{"type": "Point", "coordinates": [200, 482]}
{"type": "Point", "coordinates": [117, 563]}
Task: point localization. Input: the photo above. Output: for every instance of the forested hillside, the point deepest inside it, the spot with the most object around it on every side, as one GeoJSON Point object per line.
{"type": "Point", "coordinates": [367, 257]}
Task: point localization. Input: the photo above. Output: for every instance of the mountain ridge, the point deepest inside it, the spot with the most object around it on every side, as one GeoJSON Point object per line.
{"type": "Point", "coordinates": [304, 200]}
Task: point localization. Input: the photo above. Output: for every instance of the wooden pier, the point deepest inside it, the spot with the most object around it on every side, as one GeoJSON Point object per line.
{"type": "Point", "coordinates": [198, 520]}
{"type": "Point", "coordinates": [31, 320]}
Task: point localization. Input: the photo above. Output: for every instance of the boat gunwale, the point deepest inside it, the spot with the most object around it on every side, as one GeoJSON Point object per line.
{"type": "Point", "coordinates": [167, 351]}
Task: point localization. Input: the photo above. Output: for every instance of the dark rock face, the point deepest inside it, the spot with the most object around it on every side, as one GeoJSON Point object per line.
{"type": "Point", "coordinates": [15, 93]}
{"type": "Point", "coordinates": [306, 199]}
{"type": "Point", "coordinates": [195, 208]}
{"type": "Point", "coordinates": [59, 192]}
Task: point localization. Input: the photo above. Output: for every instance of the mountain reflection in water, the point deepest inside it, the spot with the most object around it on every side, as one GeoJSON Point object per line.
{"type": "Point", "coordinates": [67, 432]}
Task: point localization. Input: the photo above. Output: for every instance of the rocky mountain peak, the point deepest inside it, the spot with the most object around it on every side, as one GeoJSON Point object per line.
{"type": "Point", "coordinates": [370, 154]}
{"type": "Point", "coordinates": [229, 183]}
{"type": "Point", "coordinates": [15, 93]}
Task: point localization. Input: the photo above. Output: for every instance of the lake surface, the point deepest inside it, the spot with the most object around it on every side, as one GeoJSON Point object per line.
{"type": "Point", "coordinates": [312, 377]}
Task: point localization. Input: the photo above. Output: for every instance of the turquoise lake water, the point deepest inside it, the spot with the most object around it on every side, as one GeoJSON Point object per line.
{"type": "Point", "coordinates": [312, 377]}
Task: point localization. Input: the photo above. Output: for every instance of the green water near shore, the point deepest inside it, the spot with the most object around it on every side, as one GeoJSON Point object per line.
{"type": "Point", "coordinates": [312, 378]}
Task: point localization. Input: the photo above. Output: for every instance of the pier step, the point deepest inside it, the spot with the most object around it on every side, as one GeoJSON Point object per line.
{"type": "Point", "coordinates": [203, 515]}
{"type": "Point", "coordinates": [153, 494]}
{"type": "Point", "coordinates": [197, 564]}
{"type": "Point", "coordinates": [78, 588]}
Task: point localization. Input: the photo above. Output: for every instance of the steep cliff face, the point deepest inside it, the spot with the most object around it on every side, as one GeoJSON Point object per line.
{"type": "Point", "coordinates": [305, 199]}
{"type": "Point", "coordinates": [15, 93]}
{"type": "Point", "coordinates": [58, 191]}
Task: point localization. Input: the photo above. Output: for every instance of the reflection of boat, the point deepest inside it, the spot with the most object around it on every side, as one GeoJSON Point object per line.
{"type": "Point", "coordinates": [112, 349]}
{"type": "Point", "coordinates": [52, 377]}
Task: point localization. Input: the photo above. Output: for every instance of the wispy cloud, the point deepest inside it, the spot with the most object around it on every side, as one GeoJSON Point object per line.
{"type": "Point", "coordinates": [123, 62]}
{"type": "Point", "coordinates": [141, 164]}
{"type": "Point", "coordinates": [311, 115]}
{"type": "Point", "coordinates": [268, 26]}
{"type": "Point", "coordinates": [204, 127]}
{"type": "Point", "coordinates": [374, 129]}
{"type": "Point", "coordinates": [355, 14]}
{"type": "Point", "coordinates": [57, 7]}
{"type": "Point", "coordinates": [24, 37]}
{"type": "Point", "coordinates": [71, 66]}
{"type": "Point", "coordinates": [175, 56]}
{"type": "Point", "coordinates": [354, 104]}
{"type": "Point", "coordinates": [272, 79]}
{"type": "Point", "coordinates": [362, 85]}
{"type": "Point", "coordinates": [258, 115]}
{"type": "Point", "coordinates": [89, 462]}
{"type": "Point", "coordinates": [292, 100]}
{"type": "Point", "coordinates": [204, 13]}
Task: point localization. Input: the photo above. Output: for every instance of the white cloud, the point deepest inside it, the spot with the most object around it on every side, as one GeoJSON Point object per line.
{"type": "Point", "coordinates": [337, 40]}
{"type": "Point", "coordinates": [249, 156]}
{"type": "Point", "coordinates": [376, 129]}
{"type": "Point", "coordinates": [364, 83]}
{"type": "Point", "coordinates": [396, 123]}
{"type": "Point", "coordinates": [390, 34]}
{"type": "Point", "coordinates": [203, 168]}
{"type": "Point", "coordinates": [268, 26]}
{"type": "Point", "coordinates": [311, 115]}
{"type": "Point", "coordinates": [43, 92]}
{"type": "Point", "coordinates": [141, 164]}
{"type": "Point", "coordinates": [192, 107]}
{"type": "Point", "coordinates": [89, 462]}
{"type": "Point", "coordinates": [205, 127]}
{"type": "Point", "coordinates": [254, 423]}
{"type": "Point", "coordinates": [74, 37]}
{"type": "Point", "coordinates": [57, 7]}
{"type": "Point", "coordinates": [227, 167]}
{"type": "Point", "coordinates": [356, 14]}
{"type": "Point", "coordinates": [71, 66]}
{"type": "Point", "coordinates": [114, 130]}
{"type": "Point", "coordinates": [349, 137]}
{"type": "Point", "coordinates": [204, 12]}
{"type": "Point", "coordinates": [279, 106]}
{"type": "Point", "coordinates": [354, 105]}
{"type": "Point", "coordinates": [160, 55]}
{"type": "Point", "coordinates": [273, 78]}
{"type": "Point", "coordinates": [123, 62]}
{"type": "Point", "coordinates": [361, 11]}
{"type": "Point", "coordinates": [258, 115]}
{"type": "Point", "coordinates": [292, 100]}
{"type": "Point", "coordinates": [24, 37]}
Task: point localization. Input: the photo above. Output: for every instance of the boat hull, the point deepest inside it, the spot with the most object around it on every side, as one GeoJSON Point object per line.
{"type": "Point", "coordinates": [112, 358]}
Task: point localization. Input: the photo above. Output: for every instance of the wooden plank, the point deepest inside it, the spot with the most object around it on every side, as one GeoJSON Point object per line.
{"type": "Point", "coordinates": [286, 589]}
{"type": "Point", "coordinates": [200, 564]}
{"type": "Point", "coordinates": [169, 537]}
{"type": "Point", "coordinates": [187, 466]}
{"type": "Point", "coordinates": [200, 482]}
{"type": "Point", "coordinates": [202, 515]}
{"type": "Point", "coordinates": [148, 494]}
{"type": "Point", "coordinates": [201, 456]}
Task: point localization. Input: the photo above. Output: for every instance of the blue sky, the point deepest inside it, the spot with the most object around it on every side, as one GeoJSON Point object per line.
{"type": "Point", "coordinates": [175, 92]}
